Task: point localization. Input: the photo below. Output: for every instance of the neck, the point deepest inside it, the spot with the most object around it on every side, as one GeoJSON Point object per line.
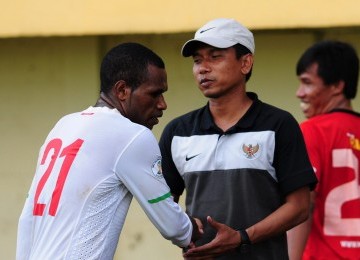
{"type": "Point", "coordinates": [226, 113]}
{"type": "Point", "coordinates": [104, 101]}
{"type": "Point", "coordinates": [339, 104]}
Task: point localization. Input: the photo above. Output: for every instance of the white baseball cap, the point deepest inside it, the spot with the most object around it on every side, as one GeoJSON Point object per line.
{"type": "Point", "coordinates": [221, 33]}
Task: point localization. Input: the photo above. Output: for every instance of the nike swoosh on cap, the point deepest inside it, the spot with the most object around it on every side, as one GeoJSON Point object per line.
{"type": "Point", "coordinates": [207, 29]}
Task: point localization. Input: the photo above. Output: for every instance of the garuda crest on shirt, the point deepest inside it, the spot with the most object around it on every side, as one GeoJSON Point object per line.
{"type": "Point", "coordinates": [250, 150]}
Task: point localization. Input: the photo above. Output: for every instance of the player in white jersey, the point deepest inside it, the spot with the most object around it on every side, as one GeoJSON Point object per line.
{"type": "Point", "coordinates": [93, 162]}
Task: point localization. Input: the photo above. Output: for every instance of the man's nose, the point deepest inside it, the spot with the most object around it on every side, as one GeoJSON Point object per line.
{"type": "Point", "coordinates": [300, 92]}
{"type": "Point", "coordinates": [162, 103]}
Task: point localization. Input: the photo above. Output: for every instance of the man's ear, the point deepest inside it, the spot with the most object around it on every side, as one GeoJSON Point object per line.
{"type": "Point", "coordinates": [121, 90]}
{"type": "Point", "coordinates": [338, 88]}
{"type": "Point", "coordinates": [247, 63]}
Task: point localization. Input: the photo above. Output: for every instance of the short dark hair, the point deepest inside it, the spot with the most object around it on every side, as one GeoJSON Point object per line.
{"type": "Point", "coordinates": [128, 62]}
{"type": "Point", "coordinates": [240, 51]}
{"type": "Point", "coordinates": [336, 61]}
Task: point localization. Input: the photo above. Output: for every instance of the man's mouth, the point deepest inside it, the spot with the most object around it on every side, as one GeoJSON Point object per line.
{"type": "Point", "coordinates": [205, 82]}
{"type": "Point", "coordinates": [304, 106]}
{"type": "Point", "coordinates": [156, 119]}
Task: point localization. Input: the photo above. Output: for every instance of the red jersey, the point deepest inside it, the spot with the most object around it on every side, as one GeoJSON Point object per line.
{"type": "Point", "coordinates": [333, 143]}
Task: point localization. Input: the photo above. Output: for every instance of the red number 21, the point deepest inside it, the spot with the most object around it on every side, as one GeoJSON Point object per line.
{"type": "Point", "coordinates": [69, 152]}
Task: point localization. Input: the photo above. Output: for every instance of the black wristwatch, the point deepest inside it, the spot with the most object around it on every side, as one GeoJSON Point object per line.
{"type": "Point", "coordinates": [245, 243]}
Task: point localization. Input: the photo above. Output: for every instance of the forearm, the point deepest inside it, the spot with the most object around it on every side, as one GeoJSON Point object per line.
{"type": "Point", "coordinates": [297, 236]}
{"type": "Point", "coordinates": [293, 212]}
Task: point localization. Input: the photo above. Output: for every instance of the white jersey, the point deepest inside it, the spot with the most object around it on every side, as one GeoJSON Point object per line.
{"type": "Point", "coordinates": [89, 168]}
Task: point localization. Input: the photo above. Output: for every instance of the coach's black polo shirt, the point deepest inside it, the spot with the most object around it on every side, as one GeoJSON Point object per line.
{"type": "Point", "coordinates": [240, 176]}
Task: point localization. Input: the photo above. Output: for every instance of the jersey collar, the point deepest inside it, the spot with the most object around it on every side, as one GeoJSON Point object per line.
{"type": "Point", "coordinates": [248, 120]}
{"type": "Point", "coordinates": [345, 111]}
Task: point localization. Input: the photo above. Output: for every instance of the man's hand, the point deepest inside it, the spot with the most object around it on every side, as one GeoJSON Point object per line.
{"type": "Point", "coordinates": [198, 230]}
{"type": "Point", "coordinates": [226, 239]}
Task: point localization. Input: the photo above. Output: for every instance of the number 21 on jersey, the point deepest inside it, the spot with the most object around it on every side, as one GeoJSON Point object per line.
{"type": "Point", "coordinates": [54, 151]}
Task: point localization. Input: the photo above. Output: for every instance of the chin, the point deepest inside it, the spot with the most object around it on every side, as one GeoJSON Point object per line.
{"type": "Point", "coordinates": [211, 95]}
{"type": "Point", "coordinates": [150, 125]}
{"type": "Point", "coordinates": [307, 115]}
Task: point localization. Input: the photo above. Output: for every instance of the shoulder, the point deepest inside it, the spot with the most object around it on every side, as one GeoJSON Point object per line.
{"type": "Point", "coordinates": [321, 121]}
{"type": "Point", "coordinates": [276, 111]}
{"type": "Point", "coordinates": [274, 118]}
{"type": "Point", "coordinates": [263, 110]}
{"type": "Point", "coordinates": [110, 123]}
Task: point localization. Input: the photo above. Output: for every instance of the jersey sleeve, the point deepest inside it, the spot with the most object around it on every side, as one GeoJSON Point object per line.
{"type": "Point", "coordinates": [291, 160]}
{"type": "Point", "coordinates": [139, 168]}
{"type": "Point", "coordinates": [25, 225]}
{"type": "Point", "coordinates": [171, 174]}
{"type": "Point", "coordinates": [24, 232]}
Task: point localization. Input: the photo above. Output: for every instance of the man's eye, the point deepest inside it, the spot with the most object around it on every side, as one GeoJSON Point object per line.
{"type": "Point", "coordinates": [159, 94]}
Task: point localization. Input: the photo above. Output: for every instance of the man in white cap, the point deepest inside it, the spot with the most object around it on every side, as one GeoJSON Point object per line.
{"type": "Point", "coordinates": [242, 162]}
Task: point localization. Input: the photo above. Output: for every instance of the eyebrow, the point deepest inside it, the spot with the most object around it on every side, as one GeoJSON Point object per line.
{"type": "Point", "coordinates": [211, 50]}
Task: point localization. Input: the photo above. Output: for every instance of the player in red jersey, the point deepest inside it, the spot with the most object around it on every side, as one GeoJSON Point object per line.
{"type": "Point", "coordinates": [328, 73]}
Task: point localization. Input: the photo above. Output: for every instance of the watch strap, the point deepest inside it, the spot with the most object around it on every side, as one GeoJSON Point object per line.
{"type": "Point", "coordinates": [244, 237]}
{"type": "Point", "coordinates": [245, 243]}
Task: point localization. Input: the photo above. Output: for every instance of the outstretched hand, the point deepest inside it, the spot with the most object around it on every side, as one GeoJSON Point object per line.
{"type": "Point", "coordinates": [226, 239]}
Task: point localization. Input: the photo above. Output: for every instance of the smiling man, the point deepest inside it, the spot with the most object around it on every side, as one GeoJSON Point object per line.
{"type": "Point", "coordinates": [328, 74]}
